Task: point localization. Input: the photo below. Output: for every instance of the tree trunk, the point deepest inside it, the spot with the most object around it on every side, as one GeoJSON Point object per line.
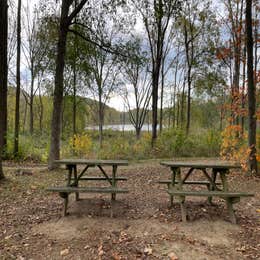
{"type": "Point", "coordinates": [162, 93]}
{"type": "Point", "coordinates": [58, 90]}
{"type": "Point", "coordinates": [75, 82]}
{"type": "Point", "coordinates": [41, 111]}
{"type": "Point", "coordinates": [65, 21]}
{"type": "Point", "coordinates": [3, 78]}
{"type": "Point", "coordinates": [25, 117]}
{"type": "Point", "coordinates": [182, 104]}
{"type": "Point", "coordinates": [189, 59]}
{"type": "Point", "coordinates": [100, 120]}
{"type": "Point", "coordinates": [243, 96]}
{"type": "Point", "coordinates": [138, 132]}
{"type": "Point", "coordinates": [155, 105]}
{"type": "Point", "coordinates": [18, 81]}
{"type": "Point", "coordinates": [188, 102]}
{"type": "Point", "coordinates": [31, 102]}
{"type": "Point", "coordinates": [251, 91]}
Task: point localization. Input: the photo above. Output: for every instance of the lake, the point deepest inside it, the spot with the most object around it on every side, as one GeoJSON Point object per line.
{"type": "Point", "coordinates": [120, 127]}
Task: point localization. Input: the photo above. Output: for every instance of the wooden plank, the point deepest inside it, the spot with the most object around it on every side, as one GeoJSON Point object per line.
{"type": "Point", "coordinates": [97, 178]}
{"type": "Point", "coordinates": [187, 182]}
{"type": "Point", "coordinates": [91, 162]}
{"type": "Point", "coordinates": [210, 193]}
{"type": "Point", "coordinates": [87, 189]}
{"type": "Point", "coordinates": [202, 164]}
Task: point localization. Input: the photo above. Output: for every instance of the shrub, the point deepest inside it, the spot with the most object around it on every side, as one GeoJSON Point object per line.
{"type": "Point", "coordinates": [234, 145]}
{"type": "Point", "coordinates": [81, 145]}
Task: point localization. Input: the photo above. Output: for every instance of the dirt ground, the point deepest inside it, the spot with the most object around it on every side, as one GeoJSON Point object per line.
{"type": "Point", "coordinates": [143, 225]}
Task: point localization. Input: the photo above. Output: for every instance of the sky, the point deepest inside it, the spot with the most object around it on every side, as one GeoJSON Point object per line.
{"type": "Point", "coordinates": [115, 101]}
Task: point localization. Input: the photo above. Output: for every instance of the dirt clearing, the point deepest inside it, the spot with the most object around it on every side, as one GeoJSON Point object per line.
{"type": "Point", "coordinates": [143, 226]}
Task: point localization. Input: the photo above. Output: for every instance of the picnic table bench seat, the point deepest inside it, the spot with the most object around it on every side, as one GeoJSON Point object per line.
{"type": "Point", "coordinates": [66, 189]}
{"type": "Point", "coordinates": [221, 194]}
{"type": "Point", "coordinates": [229, 196]}
{"type": "Point", "coordinates": [168, 182]}
{"type": "Point", "coordinates": [98, 178]}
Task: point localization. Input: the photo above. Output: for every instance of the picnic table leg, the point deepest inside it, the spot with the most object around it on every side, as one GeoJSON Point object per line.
{"type": "Point", "coordinates": [66, 201]}
{"type": "Point", "coordinates": [76, 183]}
{"type": "Point", "coordinates": [66, 196]}
{"type": "Point", "coordinates": [210, 186]}
{"type": "Point", "coordinates": [112, 208]}
{"type": "Point", "coordinates": [172, 184]}
{"type": "Point", "coordinates": [181, 198]}
{"type": "Point", "coordinates": [229, 201]}
{"type": "Point", "coordinates": [113, 195]}
{"type": "Point", "coordinates": [231, 212]}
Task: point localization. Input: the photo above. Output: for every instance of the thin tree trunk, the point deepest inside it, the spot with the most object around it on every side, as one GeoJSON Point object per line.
{"type": "Point", "coordinates": [251, 91]}
{"type": "Point", "coordinates": [178, 111]}
{"type": "Point", "coordinates": [182, 105]}
{"type": "Point", "coordinates": [155, 106]}
{"type": "Point", "coordinates": [162, 93]}
{"type": "Point", "coordinates": [41, 111]}
{"type": "Point", "coordinates": [32, 101]}
{"type": "Point", "coordinates": [74, 83]}
{"type": "Point", "coordinates": [3, 79]}
{"type": "Point", "coordinates": [100, 119]}
{"type": "Point", "coordinates": [25, 116]}
{"type": "Point", "coordinates": [188, 102]}
{"type": "Point", "coordinates": [243, 97]}
{"type": "Point", "coordinates": [18, 81]}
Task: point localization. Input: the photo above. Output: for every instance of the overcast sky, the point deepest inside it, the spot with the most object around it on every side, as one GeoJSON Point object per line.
{"type": "Point", "coordinates": [115, 101]}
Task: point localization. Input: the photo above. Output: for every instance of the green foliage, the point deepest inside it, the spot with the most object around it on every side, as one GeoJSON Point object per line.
{"type": "Point", "coordinates": [31, 148]}
{"type": "Point", "coordinates": [174, 143]}
{"type": "Point", "coordinates": [118, 145]}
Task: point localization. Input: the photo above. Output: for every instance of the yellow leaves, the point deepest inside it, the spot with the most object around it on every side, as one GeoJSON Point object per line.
{"type": "Point", "coordinates": [234, 145]}
{"type": "Point", "coordinates": [258, 210]}
{"type": "Point", "coordinates": [81, 144]}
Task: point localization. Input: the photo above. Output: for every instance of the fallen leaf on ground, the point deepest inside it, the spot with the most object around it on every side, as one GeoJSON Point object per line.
{"type": "Point", "coordinates": [116, 256]}
{"type": "Point", "coordinates": [173, 256]}
{"type": "Point", "coordinates": [64, 252]}
{"type": "Point", "coordinates": [148, 250]}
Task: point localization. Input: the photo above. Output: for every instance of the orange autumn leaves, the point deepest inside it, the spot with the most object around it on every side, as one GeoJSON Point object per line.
{"type": "Point", "coordinates": [234, 145]}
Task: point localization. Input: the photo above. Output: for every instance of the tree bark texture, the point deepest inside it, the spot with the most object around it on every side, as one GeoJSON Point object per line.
{"type": "Point", "coordinates": [65, 21]}
{"type": "Point", "coordinates": [18, 81]}
{"type": "Point", "coordinates": [251, 91]}
{"type": "Point", "coordinates": [58, 89]}
{"type": "Point", "coordinates": [3, 78]}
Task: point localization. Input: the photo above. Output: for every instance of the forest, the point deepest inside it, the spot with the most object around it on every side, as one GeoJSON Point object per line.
{"type": "Point", "coordinates": [189, 69]}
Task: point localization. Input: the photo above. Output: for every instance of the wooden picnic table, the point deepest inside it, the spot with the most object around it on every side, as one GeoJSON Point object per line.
{"type": "Point", "coordinates": [216, 188]}
{"type": "Point", "coordinates": [74, 177]}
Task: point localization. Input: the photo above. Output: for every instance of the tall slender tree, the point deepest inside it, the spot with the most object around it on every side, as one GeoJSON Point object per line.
{"type": "Point", "coordinates": [156, 16]}
{"type": "Point", "coordinates": [65, 22]}
{"type": "Point", "coordinates": [18, 80]}
{"type": "Point", "coordinates": [251, 90]}
{"type": "Point", "coordinates": [3, 77]}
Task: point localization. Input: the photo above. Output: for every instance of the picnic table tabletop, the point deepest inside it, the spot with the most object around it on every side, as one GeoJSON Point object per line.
{"type": "Point", "coordinates": [217, 164]}
{"type": "Point", "coordinates": [91, 162]}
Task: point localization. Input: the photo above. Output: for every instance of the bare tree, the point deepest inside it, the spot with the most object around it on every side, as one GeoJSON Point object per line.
{"type": "Point", "coordinates": [102, 82]}
{"type": "Point", "coordinates": [35, 52]}
{"type": "Point", "coordinates": [156, 16]}
{"type": "Point", "coordinates": [136, 74]}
